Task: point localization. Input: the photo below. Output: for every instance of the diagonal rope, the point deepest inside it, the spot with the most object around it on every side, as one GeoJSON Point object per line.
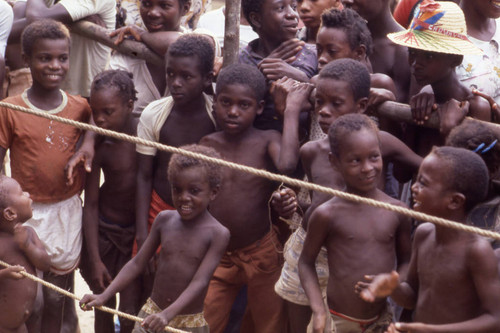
{"type": "Point", "coordinates": [263, 173]}
{"type": "Point", "coordinates": [76, 298]}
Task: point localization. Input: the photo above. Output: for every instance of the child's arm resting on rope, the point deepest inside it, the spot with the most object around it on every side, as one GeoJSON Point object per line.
{"type": "Point", "coordinates": [33, 248]}
{"type": "Point", "coordinates": [196, 287]}
{"type": "Point", "coordinates": [127, 274]}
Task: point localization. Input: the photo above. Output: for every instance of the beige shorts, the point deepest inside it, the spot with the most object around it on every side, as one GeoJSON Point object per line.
{"type": "Point", "coordinates": [288, 286]}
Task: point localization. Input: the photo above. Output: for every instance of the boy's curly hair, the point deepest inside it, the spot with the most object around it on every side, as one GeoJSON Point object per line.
{"type": "Point", "coordinates": [120, 79]}
{"type": "Point", "coordinates": [43, 29]}
{"type": "Point", "coordinates": [352, 24]}
{"type": "Point", "coordinates": [245, 75]}
{"type": "Point", "coordinates": [347, 124]}
{"type": "Point", "coordinates": [351, 71]}
{"type": "Point", "coordinates": [466, 173]}
{"type": "Point", "coordinates": [180, 162]}
{"type": "Point", "coordinates": [197, 45]}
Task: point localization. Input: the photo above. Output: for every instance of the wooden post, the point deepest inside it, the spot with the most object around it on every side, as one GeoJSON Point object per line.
{"type": "Point", "coordinates": [232, 32]}
{"type": "Point", "coordinates": [131, 48]}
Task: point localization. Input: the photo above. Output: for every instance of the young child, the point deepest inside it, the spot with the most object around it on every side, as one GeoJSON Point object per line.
{"type": "Point", "coordinates": [452, 282]}
{"type": "Point", "coordinates": [180, 119]}
{"type": "Point", "coordinates": [22, 249]}
{"type": "Point", "coordinates": [109, 210]}
{"type": "Point", "coordinates": [310, 14]}
{"type": "Point", "coordinates": [159, 20]}
{"type": "Point", "coordinates": [276, 52]}
{"type": "Point", "coordinates": [386, 58]}
{"type": "Point", "coordinates": [359, 238]}
{"type": "Point", "coordinates": [39, 151]}
{"type": "Point", "coordinates": [192, 243]}
{"type": "Point", "coordinates": [437, 41]}
{"type": "Point", "coordinates": [342, 88]}
{"type": "Point", "coordinates": [252, 257]}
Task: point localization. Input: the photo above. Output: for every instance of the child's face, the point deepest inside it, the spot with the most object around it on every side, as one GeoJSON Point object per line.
{"type": "Point", "coordinates": [108, 108]}
{"type": "Point", "coordinates": [162, 15]}
{"type": "Point", "coordinates": [49, 62]}
{"type": "Point", "coordinates": [191, 192]}
{"type": "Point", "coordinates": [310, 10]}
{"type": "Point", "coordinates": [359, 160]}
{"type": "Point", "coordinates": [236, 108]}
{"type": "Point", "coordinates": [429, 67]}
{"type": "Point", "coordinates": [430, 191]}
{"type": "Point", "coordinates": [333, 99]}
{"type": "Point", "coordinates": [367, 9]}
{"type": "Point", "coordinates": [278, 19]}
{"type": "Point", "coordinates": [184, 79]}
{"type": "Point", "coordinates": [332, 44]}
{"type": "Point", "coordinates": [19, 202]}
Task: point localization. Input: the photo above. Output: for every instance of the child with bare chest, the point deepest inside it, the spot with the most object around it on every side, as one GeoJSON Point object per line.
{"type": "Point", "coordinates": [243, 204]}
{"type": "Point", "coordinates": [20, 247]}
{"type": "Point", "coordinates": [452, 282]}
{"type": "Point", "coordinates": [192, 243]}
{"type": "Point", "coordinates": [358, 238]}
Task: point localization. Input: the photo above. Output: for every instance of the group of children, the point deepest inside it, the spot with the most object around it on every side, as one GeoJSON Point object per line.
{"type": "Point", "coordinates": [179, 237]}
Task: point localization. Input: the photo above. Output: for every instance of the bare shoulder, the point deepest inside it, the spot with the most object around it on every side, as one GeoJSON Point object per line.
{"type": "Point", "coordinates": [310, 149]}
{"type": "Point", "coordinates": [166, 218]}
{"type": "Point", "coordinates": [424, 231]}
{"type": "Point", "coordinates": [479, 248]}
{"type": "Point", "coordinates": [210, 139]}
{"type": "Point", "coordinates": [479, 108]}
{"type": "Point", "coordinates": [380, 80]}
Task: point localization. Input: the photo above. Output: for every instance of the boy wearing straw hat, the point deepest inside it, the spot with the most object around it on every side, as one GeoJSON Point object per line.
{"type": "Point", "coordinates": [437, 42]}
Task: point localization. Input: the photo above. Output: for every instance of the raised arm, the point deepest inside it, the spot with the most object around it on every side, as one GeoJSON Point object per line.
{"type": "Point", "coordinates": [285, 153]}
{"type": "Point", "coordinates": [394, 150]}
{"type": "Point", "coordinates": [198, 284]}
{"type": "Point", "coordinates": [317, 233]}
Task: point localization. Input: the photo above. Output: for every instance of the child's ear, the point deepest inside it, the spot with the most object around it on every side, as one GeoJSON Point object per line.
{"type": "Point", "coordinates": [457, 201]}
{"type": "Point", "coordinates": [360, 52]}
{"type": "Point", "coordinates": [255, 20]}
{"type": "Point", "coordinates": [362, 104]}
{"type": "Point", "coordinates": [26, 59]}
{"type": "Point", "coordinates": [185, 8]}
{"type": "Point", "coordinates": [261, 107]}
{"type": "Point", "coordinates": [208, 79]}
{"type": "Point", "coordinates": [214, 192]}
{"type": "Point", "coordinates": [9, 214]}
{"type": "Point", "coordinates": [130, 105]}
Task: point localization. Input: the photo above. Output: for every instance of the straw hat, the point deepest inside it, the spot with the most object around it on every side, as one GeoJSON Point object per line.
{"type": "Point", "coordinates": [437, 27]}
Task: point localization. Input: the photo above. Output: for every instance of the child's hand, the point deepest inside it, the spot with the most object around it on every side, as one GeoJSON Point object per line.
{"type": "Point", "coordinates": [318, 322]}
{"type": "Point", "coordinates": [299, 95]}
{"type": "Point", "coordinates": [155, 322]}
{"type": "Point", "coordinates": [89, 301]}
{"type": "Point", "coordinates": [83, 156]}
{"type": "Point", "coordinates": [279, 91]}
{"type": "Point", "coordinates": [130, 30]}
{"type": "Point", "coordinates": [378, 96]}
{"type": "Point", "coordinates": [422, 105]}
{"type": "Point", "coordinates": [378, 286]}
{"type": "Point", "coordinates": [21, 236]}
{"type": "Point", "coordinates": [451, 114]}
{"type": "Point", "coordinates": [12, 272]}
{"type": "Point", "coordinates": [287, 50]}
{"type": "Point", "coordinates": [284, 202]}
{"type": "Point", "coordinates": [100, 277]}
{"type": "Point", "coordinates": [406, 327]}
{"type": "Point", "coordinates": [275, 68]}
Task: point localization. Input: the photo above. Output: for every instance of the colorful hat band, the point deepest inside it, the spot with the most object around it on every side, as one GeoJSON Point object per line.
{"type": "Point", "coordinates": [442, 31]}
